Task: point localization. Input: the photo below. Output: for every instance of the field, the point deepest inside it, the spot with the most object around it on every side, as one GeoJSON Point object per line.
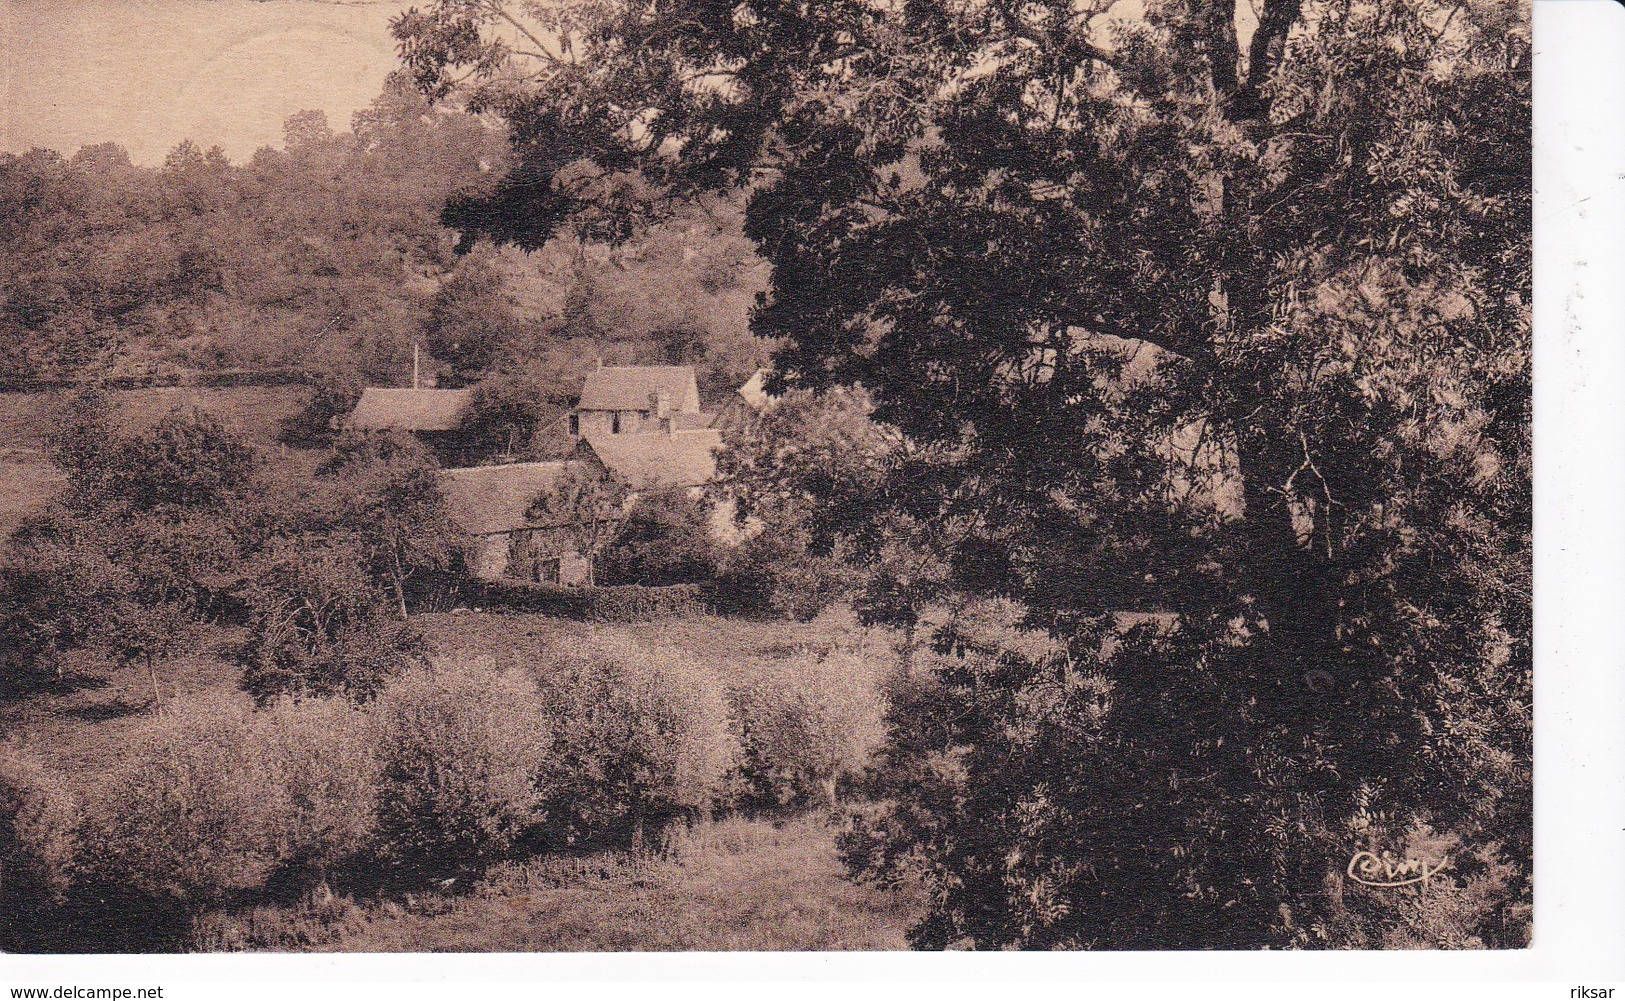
{"type": "Point", "coordinates": [735, 883]}
{"type": "Point", "coordinates": [732, 885]}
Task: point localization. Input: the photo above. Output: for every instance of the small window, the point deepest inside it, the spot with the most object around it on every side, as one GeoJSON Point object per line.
{"type": "Point", "coordinates": [615, 423]}
{"type": "Point", "coordinates": [575, 424]}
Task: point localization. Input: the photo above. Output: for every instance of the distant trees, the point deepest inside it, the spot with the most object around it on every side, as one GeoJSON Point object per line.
{"type": "Point", "coordinates": [333, 396]}
{"type": "Point", "coordinates": [301, 256]}
{"type": "Point", "coordinates": [469, 320]}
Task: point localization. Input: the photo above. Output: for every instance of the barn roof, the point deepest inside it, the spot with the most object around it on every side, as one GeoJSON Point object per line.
{"type": "Point", "coordinates": [489, 499]}
{"type": "Point", "coordinates": [752, 392]}
{"type": "Point", "coordinates": [659, 459]}
{"type": "Point", "coordinates": [410, 409]}
{"type": "Point", "coordinates": [628, 387]}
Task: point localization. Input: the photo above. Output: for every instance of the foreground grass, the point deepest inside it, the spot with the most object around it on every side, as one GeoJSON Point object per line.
{"type": "Point", "coordinates": [733, 885]}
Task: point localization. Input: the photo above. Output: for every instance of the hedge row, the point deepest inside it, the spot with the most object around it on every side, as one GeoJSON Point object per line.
{"type": "Point", "coordinates": [450, 768]}
{"type": "Point", "coordinates": [619, 603]}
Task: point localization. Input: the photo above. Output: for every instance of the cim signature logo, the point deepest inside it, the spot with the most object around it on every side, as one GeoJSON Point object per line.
{"type": "Point", "coordinates": [1370, 869]}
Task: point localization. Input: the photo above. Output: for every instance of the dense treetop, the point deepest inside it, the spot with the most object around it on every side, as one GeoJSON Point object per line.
{"type": "Point", "coordinates": [1092, 269]}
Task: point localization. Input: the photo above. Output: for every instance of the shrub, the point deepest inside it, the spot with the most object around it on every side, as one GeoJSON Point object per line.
{"type": "Point", "coordinates": [200, 812]}
{"type": "Point", "coordinates": [326, 767]}
{"type": "Point", "coordinates": [461, 750]}
{"type": "Point", "coordinates": [320, 626]}
{"type": "Point", "coordinates": [39, 822]}
{"type": "Point", "coordinates": [807, 724]}
{"type": "Point", "coordinates": [770, 574]}
{"type": "Point", "coordinates": [643, 739]}
{"type": "Point", "coordinates": [219, 799]}
{"type": "Point", "coordinates": [666, 540]}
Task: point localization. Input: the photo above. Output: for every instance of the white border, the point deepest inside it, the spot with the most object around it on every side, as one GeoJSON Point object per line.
{"type": "Point", "coordinates": [1580, 685]}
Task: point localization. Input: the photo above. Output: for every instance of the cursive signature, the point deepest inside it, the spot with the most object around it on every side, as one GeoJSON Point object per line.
{"type": "Point", "coordinates": [1371, 870]}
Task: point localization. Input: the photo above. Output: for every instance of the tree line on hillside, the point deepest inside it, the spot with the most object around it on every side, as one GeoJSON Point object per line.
{"type": "Point", "coordinates": [328, 257]}
{"type": "Point", "coordinates": [1203, 337]}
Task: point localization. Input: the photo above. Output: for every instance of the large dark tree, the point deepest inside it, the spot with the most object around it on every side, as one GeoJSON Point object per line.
{"type": "Point", "coordinates": [1213, 314]}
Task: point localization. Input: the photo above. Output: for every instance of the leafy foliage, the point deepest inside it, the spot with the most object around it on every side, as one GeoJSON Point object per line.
{"type": "Point", "coordinates": [385, 495]}
{"type": "Point", "coordinates": [320, 625]}
{"type": "Point", "coordinates": [587, 505]}
{"type": "Point", "coordinates": [195, 816]}
{"type": "Point", "coordinates": [666, 540]}
{"type": "Point", "coordinates": [643, 739]}
{"type": "Point", "coordinates": [1219, 318]}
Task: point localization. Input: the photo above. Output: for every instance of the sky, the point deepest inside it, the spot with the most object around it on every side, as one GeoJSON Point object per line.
{"type": "Point", "coordinates": [149, 73]}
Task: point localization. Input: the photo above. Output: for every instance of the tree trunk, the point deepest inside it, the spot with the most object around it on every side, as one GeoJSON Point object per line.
{"type": "Point", "coordinates": [152, 676]}
{"type": "Point", "coordinates": [397, 579]}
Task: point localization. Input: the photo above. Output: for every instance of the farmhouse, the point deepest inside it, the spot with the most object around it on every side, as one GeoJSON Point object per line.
{"type": "Point", "coordinates": [640, 425]}
{"type": "Point", "coordinates": [492, 504]}
{"type": "Point", "coordinates": [637, 399]}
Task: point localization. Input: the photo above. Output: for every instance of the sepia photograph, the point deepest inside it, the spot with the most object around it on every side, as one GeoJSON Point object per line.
{"type": "Point", "coordinates": [579, 476]}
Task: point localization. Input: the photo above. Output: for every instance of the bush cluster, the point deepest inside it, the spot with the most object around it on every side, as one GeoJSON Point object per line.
{"type": "Point", "coordinates": [807, 725]}
{"type": "Point", "coordinates": [221, 803]}
{"type": "Point", "coordinates": [643, 739]}
{"type": "Point", "coordinates": [39, 821]}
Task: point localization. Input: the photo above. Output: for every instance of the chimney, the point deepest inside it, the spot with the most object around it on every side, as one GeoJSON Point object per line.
{"type": "Point", "coordinates": [660, 403]}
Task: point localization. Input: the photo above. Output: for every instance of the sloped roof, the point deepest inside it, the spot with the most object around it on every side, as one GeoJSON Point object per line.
{"type": "Point", "coordinates": [659, 459]}
{"type": "Point", "coordinates": [488, 499]}
{"type": "Point", "coordinates": [410, 409]}
{"type": "Point", "coordinates": [628, 387]}
{"type": "Point", "coordinates": [752, 392]}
